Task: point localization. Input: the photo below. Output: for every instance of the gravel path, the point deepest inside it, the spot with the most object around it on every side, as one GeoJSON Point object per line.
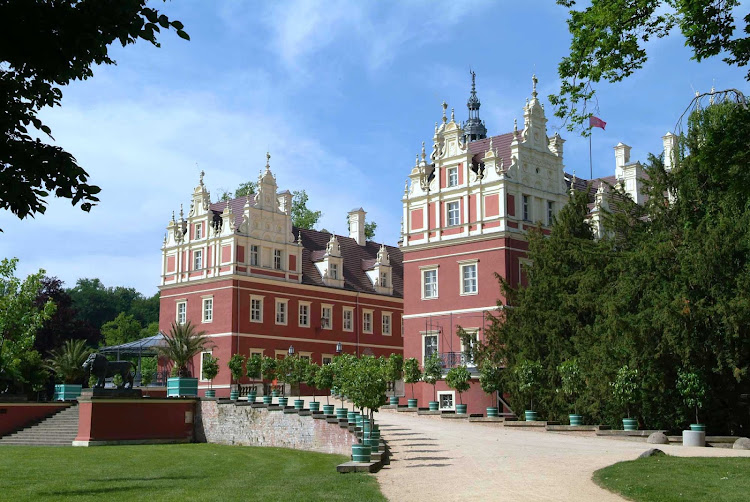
{"type": "Point", "coordinates": [437, 459]}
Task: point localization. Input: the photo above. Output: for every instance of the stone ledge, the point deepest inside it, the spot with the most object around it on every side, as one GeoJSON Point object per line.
{"type": "Point", "coordinates": [498, 420]}
{"type": "Point", "coordinates": [347, 467]}
{"type": "Point", "coordinates": [634, 434]}
{"type": "Point", "coordinates": [576, 428]}
{"type": "Point", "coordinates": [452, 416]}
{"type": "Point", "coordinates": [428, 412]}
{"type": "Point", "coordinates": [131, 442]}
{"type": "Point", "coordinates": [407, 410]}
{"type": "Point", "coordinates": [527, 423]}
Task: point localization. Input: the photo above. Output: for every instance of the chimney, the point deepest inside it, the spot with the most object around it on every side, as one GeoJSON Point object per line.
{"type": "Point", "coordinates": [670, 147]}
{"type": "Point", "coordinates": [285, 201]}
{"type": "Point", "coordinates": [622, 158]}
{"type": "Point", "coordinates": [357, 225]}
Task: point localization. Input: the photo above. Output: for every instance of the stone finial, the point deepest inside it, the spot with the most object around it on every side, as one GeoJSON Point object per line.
{"type": "Point", "coordinates": [436, 127]}
{"type": "Point", "coordinates": [453, 114]}
{"type": "Point", "coordinates": [424, 153]}
{"type": "Point", "coordinates": [182, 214]}
{"type": "Point", "coordinates": [172, 221]}
{"type": "Point", "coordinates": [299, 237]}
{"type": "Point", "coordinates": [416, 161]}
{"type": "Point", "coordinates": [406, 187]}
{"type": "Point", "coordinates": [515, 127]}
{"type": "Point", "coordinates": [533, 83]}
{"type": "Point", "coordinates": [268, 161]}
{"type": "Point", "coordinates": [445, 107]}
{"type": "Point", "coordinates": [203, 173]}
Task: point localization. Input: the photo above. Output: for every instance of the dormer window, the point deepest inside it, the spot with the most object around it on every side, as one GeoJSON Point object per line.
{"type": "Point", "coordinates": [453, 176]}
{"type": "Point", "coordinates": [384, 279]}
{"type": "Point", "coordinates": [334, 271]}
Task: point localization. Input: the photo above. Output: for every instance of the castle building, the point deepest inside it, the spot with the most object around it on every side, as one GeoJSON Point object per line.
{"type": "Point", "coordinates": [467, 206]}
{"type": "Point", "coordinates": [243, 273]}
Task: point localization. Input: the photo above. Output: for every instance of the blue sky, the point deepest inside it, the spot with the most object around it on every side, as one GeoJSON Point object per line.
{"type": "Point", "coordinates": [342, 93]}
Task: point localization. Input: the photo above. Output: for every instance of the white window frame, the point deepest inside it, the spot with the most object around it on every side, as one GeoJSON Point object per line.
{"type": "Point", "coordinates": [550, 212]}
{"type": "Point", "coordinates": [207, 314]}
{"type": "Point", "coordinates": [451, 394]}
{"type": "Point", "coordinates": [282, 313]}
{"type": "Point", "coordinates": [333, 271]}
{"type": "Point", "coordinates": [389, 325]}
{"type": "Point", "coordinates": [254, 255]}
{"type": "Point", "coordinates": [197, 259]}
{"type": "Point", "coordinates": [526, 207]}
{"type": "Point", "coordinates": [463, 266]}
{"type": "Point", "coordinates": [305, 355]}
{"type": "Point", "coordinates": [452, 177]}
{"type": "Point", "coordinates": [303, 318]}
{"type": "Point", "coordinates": [474, 334]}
{"type": "Point", "coordinates": [453, 213]}
{"type": "Point", "coordinates": [203, 355]}
{"type": "Point", "coordinates": [323, 358]}
{"type": "Point", "coordinates": [277, 259]}
{"type": "Point", "coordinates": [425, 271]}
{"type": "Point", "coordinates": [181, 303]}
{"type": "Point", "coordinates": [198, 231]}
{"type": "Point", "coordinates": [260, 352]}
{"type": "Point", "coordinates": [384, 279]}
{"type": "Point", "coordinates": [259, 299]}
{"type": "Point", "coordinates": [435, 334]}
{"type": "Point", "coordinates": [367, 326]}
{"type": "Point", "coordinates": [325, 307]}
{"type": "Point", "coordinates": [348, 322]}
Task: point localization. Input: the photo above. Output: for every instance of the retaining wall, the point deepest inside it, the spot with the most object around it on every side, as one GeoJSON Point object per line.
{"type": "Point", "coordinates": [15, 416]}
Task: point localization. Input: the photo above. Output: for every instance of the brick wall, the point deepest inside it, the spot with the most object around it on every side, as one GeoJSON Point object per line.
{"type": "Point", "coordinates": [244, 425]}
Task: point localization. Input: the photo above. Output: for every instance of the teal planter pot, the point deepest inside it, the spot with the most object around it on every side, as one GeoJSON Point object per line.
{"type": "Point", "coordinates": [351, 416]}
{"type": "Point", "coordinates": [393, 401]}
{"type": "Point", "coordinates": [361, 452]}
{"type": "Point", "coordinates": [698, 427]}
{"type": "Point", "coordinates": [328, 409]}
{"type": "Point", "coordinates": [274, 393]}
{"type": "Point", "coordinates": [314, 406]}
{"type": "Point", "coordinates": [434, 405]}
{"type": "Point", "coordinates": [373, 439]}
{"type": "Point", "coordinates": [283, 401]}
{"type": "Point", "coordinates": [251, 397]}
{"type": "Point", "coordinates": [630, 424]}
{"type": "Point", "coordinates": [461, 409]}
{"type": "Point", "coordinates": [492, 412]}
{"type": "Point", "coordinates": [341, 413]}
{"type": "Point", "coordinates": [575, 419]}
{"type": "Point", "coordinates": [182, 387]}
{"type": "Point", "coordinates": [234, 395]}
{"type": "Point", "coordinates": [530, 416]}
{"type": "Point", "coordinates": [67, 391]}
{"type": "Point", "coordinates": [210, 392]}
{"type": "Point", "coordinates": [299, 404]}
{"type": "Point", "coordinates": [412, 403]}
{"type": "Point", "coordinates": [267, 400]}
{"type": "Point", "coordinates": [360, 420]}
{"type": "Point", "coordinates": [366, 427]}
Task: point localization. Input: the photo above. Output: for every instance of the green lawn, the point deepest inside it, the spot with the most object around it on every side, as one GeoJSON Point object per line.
{"type": "Point", "coordinates": [664, 479]}
{"type": "Point", "coordinates": [177, 472]}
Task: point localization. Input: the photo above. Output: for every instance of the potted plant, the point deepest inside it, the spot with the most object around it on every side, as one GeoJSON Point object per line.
{"type": "Point", "coordinates": [210, 370]}
{"type": "Point", "coordinates": [235, 365]}
{"type": "Point", "coordinates": [490, 379]}
{"type": "Point", "coordinates": [149, 366]}
{"type": "Point", "coordinates": [412, 375]}
{"type": "Point", "coordinates": [181, 345]}
{"type": "Point", "coordinates": [571, 385]}
{"type": "Point", "coordinates": [252, 369]}
{"type": "Point", "coordinates": [367, 385]}
{"type": "Point", "coordinates": [395, 371]}
{"type": "Point", "coordinates": [268, 370]}
{"type": "Point", "coordinates": [311, 376]}
{"type": "Point", "coordinates": [693, 390]}
{"type": "Point", "coordinates": [324, 380]}
{"type": "Point", "coordinates": [287, 373]}
{"type": "Point", "coordinates": [529, 374]}
{"type": "Point", "coordinates": [458, 379]}
{"type": "Point", "coordinates": [66, 363]}
{"type": "Point", "coordinates": [342, 365]}
{"type": "Point", "coordinates": [623, 390]}
{"type": "Point", "coordinates": [433, 370]}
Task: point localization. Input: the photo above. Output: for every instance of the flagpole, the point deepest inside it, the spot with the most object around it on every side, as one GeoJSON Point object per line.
{"type": "Point", "coordinates": [591, 163]}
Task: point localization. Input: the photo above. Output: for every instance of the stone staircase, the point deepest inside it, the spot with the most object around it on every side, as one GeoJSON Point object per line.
{"type": "Point", "coordinates": [58, 430]}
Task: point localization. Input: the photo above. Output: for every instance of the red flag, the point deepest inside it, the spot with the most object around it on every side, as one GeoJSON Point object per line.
{"type": "Point", "coordinates": [596, 122]}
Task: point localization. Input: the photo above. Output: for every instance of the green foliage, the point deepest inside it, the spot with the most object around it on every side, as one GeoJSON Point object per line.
{"type": "Point", "coordinates": [395, 368]}
{"type": "Point", "coordinates": [33, 76]}
{"type": "Point", "coordinates": [268, 368]}
{"type": "Point", "coordinates": [253, 366]}
{"type": "Point", "coordinates": [609, 39]}
{"type": "Point", "coordinates": [122, 330]}
{"type": "Point", "coordinates": [20, 319]}
{"type": "Point", "coordinates": [491, 378]}
{"type": "Point", "coordinates": [32, 375]}
{"type": "Point", "coordinates": [367, 382]}
{"type": "Point", "coordinates": [151, 329]}
{"type": "Point", "coordinates": [117, 381]}
{"type": "Point", "coordinates": [625, 386]}
{"type": "Point", "coordinates": [292, 370]}
{"type": "Point", "coordinates": [311, 376]}
{"type": "Point", "coordinates": [370, 227]}
{"type": "Point", "coordinates": [66, 361]}
{"type": "Point", "coordinates": [92, 381]}
{"type": "Point", "coordinates": [571, 380]}
{"type": "Point", "coordinates": [458, 379]}
{"type": "Point", "coordinates": [693, 390]}
{"type": "Point", "coordinates": [412, 373]}
{"type": "Point", "coordinates": [149, 367]}
{"type": "Point", "coordinates": [342, 366]}
{"type": "Point", "coordinates": [182, 343]}
{"type": "Point", "coordinates": [302, 217]}
{"type": "Point", "coordinates": [235, 366]}
{"type": "Point", "coordinates": [245, 189]}
{"type": "Point", "coordinates": [529, 377]}
{"type": "Point", "coordinates": [433, 370]}
{"type": "Point", "coordinates": [211, 367]}
{"type": "Point", "coordinates": [324, 378]}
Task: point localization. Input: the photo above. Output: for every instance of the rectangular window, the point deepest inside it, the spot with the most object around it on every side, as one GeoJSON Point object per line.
{"type": "Point", "coordinates": [327, 359]}
{"type": "Point", "coordinates": [305, 357]}
{"type": "Point", "coordinates": [334, 271]}
{"type": "Point", "coordinates": [469, 279]}
{"type": "Point", "coordinates": [526, 208]}
{"type": "Point", "coordinates": [348, 316]}
{"type": "Point", "coordinates": [430, 346]}
{"type": "Point", "coordinates": [208, 309]}
{"type": "Point", "coordinates": [384, 279]}
{"type": "Point", "coordinates": [454, 217]}
{"type": "Point", "coordinates": [304, 315]}
{"type": "Point", "coordinates": [256, 309]}
{"type": "Point", "coordinates": [430, 283]}
{"type": "Point", "coordinates": [550, 212]}
{"type": "Point", "coordinates": [277, 259]}
{"type": "Point", "coordinates": [467, 348]}
{"type": "Point", "coordinates": [197, 259]}
{"type": "Point", "coordinates": [386, 324]}
{"type": "Point", "coordinates": [181, 312]}
{"type": "Point", "coordinates": [198, 230]}
{"type": "Point", "coordinates": [453, 176]}
{"type": "Point", "coordinates": [281, 311]}
{"type": "Point", "coordinates": [254, 256]}
{"type": "Point", "coordinates": [256, 352]}
{"type": "Point", "coordinates": [326, 319]}
{"type": "Point", "coordinates": [367, 322]}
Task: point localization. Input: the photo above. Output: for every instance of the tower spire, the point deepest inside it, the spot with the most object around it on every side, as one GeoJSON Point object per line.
{"type": "Point", "coordinates": [474, 128]}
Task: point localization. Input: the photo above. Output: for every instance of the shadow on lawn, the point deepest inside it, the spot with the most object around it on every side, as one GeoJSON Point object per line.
{"type": "Point", "coordinates": [119, 488]}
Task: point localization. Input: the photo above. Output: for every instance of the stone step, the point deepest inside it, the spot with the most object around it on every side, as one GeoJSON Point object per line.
{"type": "Point", "coordinates": [58, 430]}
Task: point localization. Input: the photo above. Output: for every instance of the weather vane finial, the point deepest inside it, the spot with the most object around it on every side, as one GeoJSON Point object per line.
{"type": "Point", "coordinates": [268, 161]}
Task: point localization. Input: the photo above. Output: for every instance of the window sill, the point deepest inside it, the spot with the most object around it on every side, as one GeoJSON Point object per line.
{"type": "Point", "coordinates": [470, 294]}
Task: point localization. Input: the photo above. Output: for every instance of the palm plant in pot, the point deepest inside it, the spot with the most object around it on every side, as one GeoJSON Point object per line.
{"type": "Point", "coordinates": [571, 385]}
{"type": "Point", "coordinates": [412, 375]}
{"type": "Point", "coordinates": [395, 370]}
{"type": "Point", "coordinates": [181, 345]}
{"type": "Point", "coordinates": [67, 365]}
{"type": "Point", "coordinates": [693, 390]}
{"type": "Point", "coordinates": [433, 370]}
{"type": "Point", "coordinates": [252, 369]}
{"type": "Point", "coordinates": [311, 378]}
{"type": "Point", "coordinates": [529, 375]}
{"type": "Point", "coordinates": [458, 380]}
{"type": "Point", "coordinates": [268, 370]}
{"type": "Point", "coordinates": [324, 380]}
{"type": "Point", "coordinates": [490, 379]}
{"type": "Point", "coordinates": [210, 370]}
{"type": "Point", "coordinates": [624, 389]}
{"type": "Point", "coordinates": [235, 365]}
